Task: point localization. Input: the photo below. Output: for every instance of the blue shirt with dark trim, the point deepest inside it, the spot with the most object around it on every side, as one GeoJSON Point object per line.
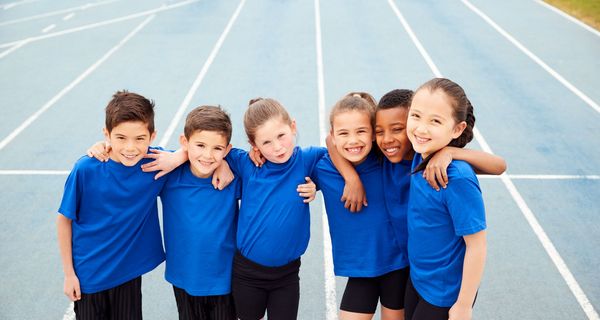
{"type": "Point", "coordinates": [116, 235]}
{"type": "Point", "coordinates": [199, 224]}
{"type": "Point", "coordinates": [363, 243]}
{"type": "Point", "coordinates": [437, 222]}
{"type": "Point", "coordinates": [274, 221]}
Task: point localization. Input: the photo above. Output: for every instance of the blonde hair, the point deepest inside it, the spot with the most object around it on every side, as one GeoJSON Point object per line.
{"type": "Point", "coordinates": [260, 111]}
{"type": "Point", "coordinates": [355, 101]}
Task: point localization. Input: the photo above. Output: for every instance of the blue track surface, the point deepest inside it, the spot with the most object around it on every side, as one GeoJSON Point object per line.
{"type": "Point", "coordinates": [269, 48]}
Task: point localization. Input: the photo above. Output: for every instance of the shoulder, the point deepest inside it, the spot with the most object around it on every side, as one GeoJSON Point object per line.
{"type": "Point", "coordinates": [86, 163]}
{"type": "Point", "coordinates": [459, 169]}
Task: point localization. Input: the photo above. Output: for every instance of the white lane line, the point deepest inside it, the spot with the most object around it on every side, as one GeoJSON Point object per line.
{"type": "Point", "coordinates": [533, 57]}
{"type": "Point", "coordinates": [69, 16]}
{"type": "Point", "coordinates": [72, 85]}
{"type": "Point", "coordinates": [69, 313]}
{"type": "Point", "coordinates": [102, 23]}
{"type": "Point", "coordinates": [13, 48]}
{"type": "Point", "coordinates": [48, 28]}
{"type": "Point", "coordinates": [17, 3]}
{"type": "Point", "coordinates": [529, 216]}
{"type": "Point", "coordinates": [57, 12]}
{"type": "Point", "coordinates": [543, 177]}
{"type": "Point", "coordinates": [568, 17]}
{"type": "Point", "coordinates": [33, 172]}
{"type": "Point", "coordinates": [330, 293]}
{"type": "Point", "coordinates": [188, 98]}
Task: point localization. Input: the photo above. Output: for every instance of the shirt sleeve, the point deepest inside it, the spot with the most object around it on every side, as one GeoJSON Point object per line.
{"type": "Point", "coordinates": [465, 204]}
{"type": "Point", "coordinates": [237, 159]}
{"type": "Point", "coordinates": [69, 205]}
{"type": "Point", "coordinates": [311, 156]}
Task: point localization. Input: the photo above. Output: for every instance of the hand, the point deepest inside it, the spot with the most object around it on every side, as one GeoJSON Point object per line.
{"type": "Point", "coordinates": [436, 170]}
{"type": "Point", "coordinates": [164, 162]}
{"type": "Point", "coordinates": [307, 190]}
{"type": "Point", "coordinates": [460, 311]}
{"type": "Point", "coordinates": [256, 157]}
{"type": "Point", "coordinates": [71, 288]}
{"type": "Point", "coordinates": [99, 151]}
{"type": "Point", "coordinates": [222, 176]}
{"type": "Point", "coordinates": [354, 196]}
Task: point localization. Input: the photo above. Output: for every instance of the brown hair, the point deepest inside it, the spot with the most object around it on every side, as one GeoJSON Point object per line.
{"type": "Point", "coordinates": [260, 111]}
{"type": "Point", "coordinates": [462, 110]}
{"type": "Point", "coordinates": [355, 101]}
{"type": "Point", "coordinates": [129, 107]}
{"type": "Point", "coordinates": [208, 118]}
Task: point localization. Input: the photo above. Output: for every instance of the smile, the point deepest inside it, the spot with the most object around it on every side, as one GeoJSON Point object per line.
{"type": "Point", "coordinates": [354, 150]}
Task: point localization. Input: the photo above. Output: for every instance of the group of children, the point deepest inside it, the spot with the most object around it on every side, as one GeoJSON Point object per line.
{"type": "Point", "coordinates": [403, 242]}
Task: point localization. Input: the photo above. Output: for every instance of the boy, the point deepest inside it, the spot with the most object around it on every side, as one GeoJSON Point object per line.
{"type": "Point", "coordinates": [108, 229]}
{"type": "Point", "coordinates": [200, 221]}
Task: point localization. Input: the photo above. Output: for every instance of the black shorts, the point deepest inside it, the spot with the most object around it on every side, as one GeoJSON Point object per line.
{"type": "Point", "coordinates": [190, 307]}
{"type": "Point", "coordinates": [121, 302]}
{"type": "Point", "coordinates": [419, 309]}
{"type": "Point", "coordinates": [257, 288]}
{"type": "Point", "coordinates": [362, 294]}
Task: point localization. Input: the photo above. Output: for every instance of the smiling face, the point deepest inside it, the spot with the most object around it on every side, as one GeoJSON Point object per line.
{"type": "Point", "coordinates": [275, 139]}
{"type": "Point", "coordinates": [206, 150]}
{"type": "Point", "coordinates": [390, 134]}
{"type": "Point", "coordinates": [352, 135]}
{"type": "Point", "coordinates": [129, 141]}
{"type": "Point", "coordinates": [431, 125]}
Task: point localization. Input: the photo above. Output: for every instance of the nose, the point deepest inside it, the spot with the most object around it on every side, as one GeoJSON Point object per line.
{"type": "Point", "coordinates": [387, 137]}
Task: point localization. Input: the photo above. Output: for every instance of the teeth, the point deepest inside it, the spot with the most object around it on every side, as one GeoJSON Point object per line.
{"type": "Point", "coordinates": [354, 150]}
{"type": "Point", "coordinates": [391, 150]}
{"type": "Point", "coordinates": [421, 140]}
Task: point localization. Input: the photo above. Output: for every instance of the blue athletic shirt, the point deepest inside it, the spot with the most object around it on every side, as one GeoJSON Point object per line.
{"type": "Point", "coordinates": [199, 224]}
{"type": "Point", "coordinates": [116, 235]}
{"type": "Point", "coordinates": [363, 243]}
{"type": "Point", "coordinates": [396, 183]}
{"type": "Point", "coordinates": [437, 222]}
{"type": "Point", "coordinates": [274, 222]}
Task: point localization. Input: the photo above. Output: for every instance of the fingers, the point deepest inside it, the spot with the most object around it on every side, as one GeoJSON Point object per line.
{"type": "Point", "coordinates": [215, 182]}
{"type": "Point", "coordinates": [149, 167]}
{"type": "Point", "coordinates": [441, 177]}
{"type": "Point", "coordinates": [159, 174]}
{"type": "Point", "coordinates": [430, 177]}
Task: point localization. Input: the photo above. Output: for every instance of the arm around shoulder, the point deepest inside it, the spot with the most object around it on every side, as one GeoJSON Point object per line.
{"type": "Point", "coordinates": [482, 162]}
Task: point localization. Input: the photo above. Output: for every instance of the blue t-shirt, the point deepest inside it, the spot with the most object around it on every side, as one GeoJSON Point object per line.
{"type": "Point", "coordinates": [363, 243]}
{"type": "Point", "coordinates": [274, 222]}
{"type": "Point", "coordinates": [396, 183]}
{"type": "Point", "coordinates": [116, 235]}
{"type": "Point", "coordinates": [199, 228]}
{"type": "Point", "coordinates": [437, 222]}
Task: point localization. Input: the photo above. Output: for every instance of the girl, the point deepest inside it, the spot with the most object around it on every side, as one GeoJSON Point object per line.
{"type": "Point", "coordinates": [363, 245]}
{"type": "Point", "coordinates": [446, 229]}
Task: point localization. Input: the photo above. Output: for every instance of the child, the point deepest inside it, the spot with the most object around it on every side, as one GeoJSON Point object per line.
{"type": "Point", "coordinates": [446, 229]}
{"type": "Point", "coordinates": [108, 230]}
{"type": "Point", "coordinates": [200, 222]}
{"type": "Point", "coordinates": [274, 224]}
{"type": "Point", "coordinates": [363, 244]}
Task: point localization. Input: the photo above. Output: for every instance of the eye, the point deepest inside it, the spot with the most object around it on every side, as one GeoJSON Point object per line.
{"type": "Point", "coordinates": [378, 132]}
{"type": "Point", "coordinates": [141, 139]}
{"type": "Point", "coordinates": [415, 116]}
{"type": "Point", "coordinates": [120, 138]}
{"type": "Point", "coordinates": [200, 145]}
{"type": "Point", "coordinates": [397, 129]}
{"type": "Point", "coordinates": [281, 135]}
{"type": "Point", "coordinates": [266, 143]}
{"type": "Point", "coordinates": [436, 121]}
{"type": "Point", "coordinates": [219, 148]}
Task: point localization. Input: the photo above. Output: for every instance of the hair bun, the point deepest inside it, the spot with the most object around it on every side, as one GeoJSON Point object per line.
{"type": "Point", "coordinates": [254, 100]}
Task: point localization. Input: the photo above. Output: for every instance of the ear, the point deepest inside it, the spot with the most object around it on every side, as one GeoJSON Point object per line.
{"type": "Point", "coordinates": [106, 134]}
{"type": "Point", "coordinates": [229, 146]}
{"type": "Point", "coordinates": [183, 142]}
{"type": "Point", "coordinates": [293, 126]}
{"type": "Point", "coordinates": [152, 136]}
{"type": "Point", "coordinates": [458, 129]}
{"type": "Point", "coordinates": [332, 136]}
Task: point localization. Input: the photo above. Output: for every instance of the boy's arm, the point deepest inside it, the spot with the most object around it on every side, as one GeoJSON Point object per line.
{"type": "Point", "coordinates": [99, 151]}
{"type": "Point", "coordinates": [164, 161]}
{"type": "Point", "coordinates": [71, 284]}
{"type": "Point", "coordinates": [482, 163]}
{"type": "Point", "coordinates": [474, 262]}
{"type": "Point", "coordinates": [222, 176]}
{"type": "Point", "coordinates": [354, 196]}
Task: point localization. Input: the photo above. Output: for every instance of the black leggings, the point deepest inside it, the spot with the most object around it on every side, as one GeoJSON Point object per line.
{"type": "Point", "coordinates": [416, 308]}
{"type": "Point", "coordinates": [257, 288]}
{"type": "Point", "coordinates": [190, 307]}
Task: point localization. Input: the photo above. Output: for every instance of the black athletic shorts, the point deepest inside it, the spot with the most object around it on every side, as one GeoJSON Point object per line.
{"type": "Point", "coordinates": [121, 302]}
{"type": "Point", "coordinates": [362, 294]}
{"type": "Point", "coordinates": [419, 309]}
{"type": "Point", "coordinates": [190, 307]}
{"type": "Point", "coordinates": [257, 288]}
